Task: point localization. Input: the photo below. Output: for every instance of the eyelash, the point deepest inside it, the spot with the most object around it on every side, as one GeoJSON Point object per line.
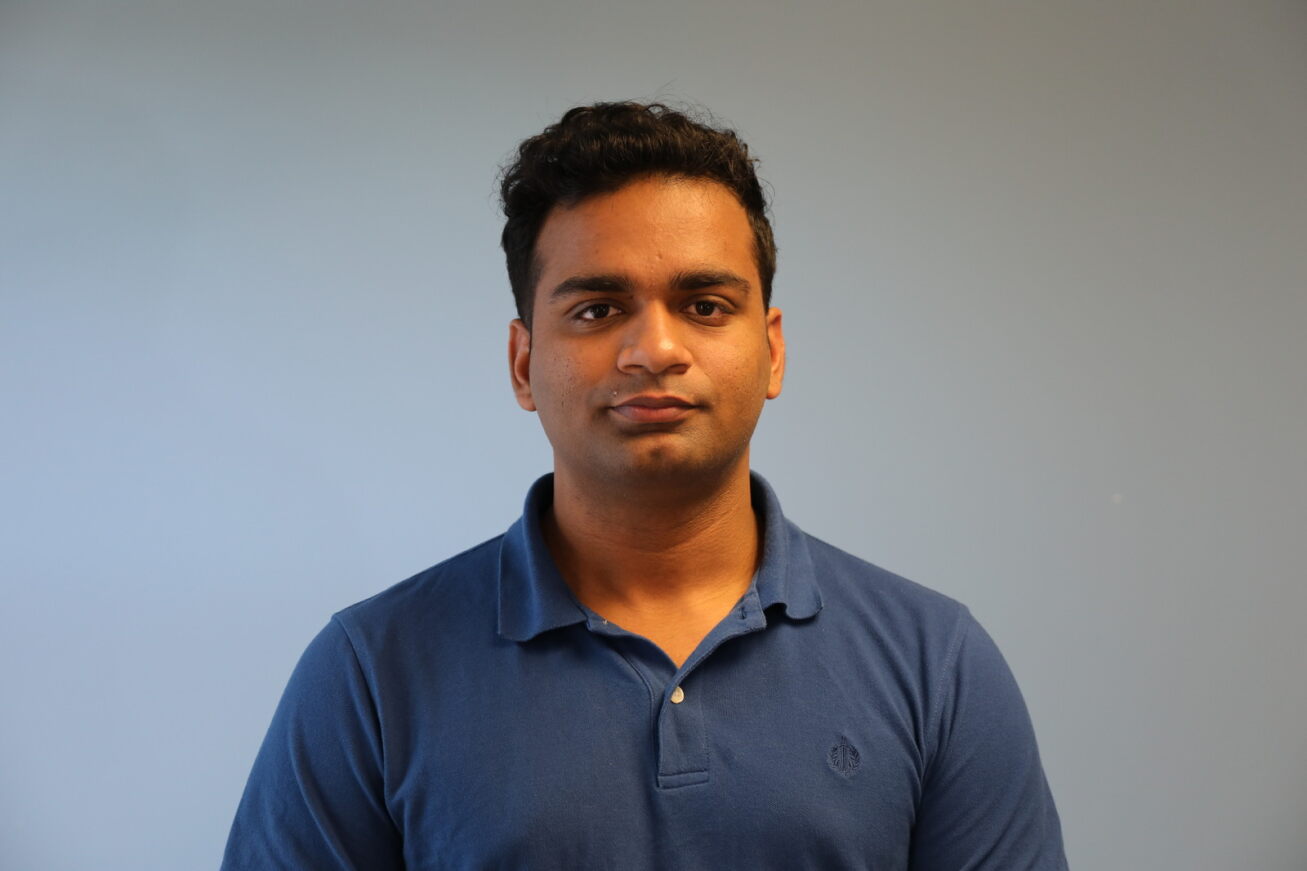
{"type": "Point", "coordinates": [721, 309]}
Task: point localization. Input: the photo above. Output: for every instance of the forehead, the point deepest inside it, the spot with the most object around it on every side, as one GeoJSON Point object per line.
{"type": "Point", "coordinates": [649, 227]}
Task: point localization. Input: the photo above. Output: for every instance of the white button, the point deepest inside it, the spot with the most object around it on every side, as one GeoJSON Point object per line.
{"type": "Point", "coordinates": [678, 696]}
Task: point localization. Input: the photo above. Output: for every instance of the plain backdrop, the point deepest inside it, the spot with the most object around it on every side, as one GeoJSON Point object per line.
{"type": "Point", "coordinates": [1045, 289]}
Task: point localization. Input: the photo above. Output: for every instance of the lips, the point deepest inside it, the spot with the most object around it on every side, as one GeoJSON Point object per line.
{"type": "Point", "coordinates": [648, 408]}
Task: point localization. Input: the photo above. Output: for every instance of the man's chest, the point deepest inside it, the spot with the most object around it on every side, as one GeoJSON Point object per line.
{"type": "Point", "coordinates": [595, 752]}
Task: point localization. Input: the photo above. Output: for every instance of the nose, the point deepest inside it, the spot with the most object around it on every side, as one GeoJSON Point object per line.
{"type": "Point", "coordinates": [652, 342]}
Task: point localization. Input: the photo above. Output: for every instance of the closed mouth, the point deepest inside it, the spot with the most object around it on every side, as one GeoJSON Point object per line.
{"type": "Point", "coordinates": [646, 400]}
{"type": "Point", "coordinates": [654, 409]}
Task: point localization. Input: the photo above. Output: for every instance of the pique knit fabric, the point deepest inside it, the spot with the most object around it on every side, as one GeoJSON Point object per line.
{"type": "Point", "coordinates": [478, 716]}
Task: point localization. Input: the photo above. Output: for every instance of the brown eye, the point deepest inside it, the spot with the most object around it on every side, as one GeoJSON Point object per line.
{"type": "Point", "coordinates": [600, 310]}
{"type": "Point", "coordinates": [706, 308]}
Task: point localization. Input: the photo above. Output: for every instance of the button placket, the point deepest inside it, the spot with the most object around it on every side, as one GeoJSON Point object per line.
{"type": "Point", "coordinates": [682, 732]}
{"type": "Point", "coordinates": [680, 729]}
{"type": "Point", "coordinates": [682, 742]}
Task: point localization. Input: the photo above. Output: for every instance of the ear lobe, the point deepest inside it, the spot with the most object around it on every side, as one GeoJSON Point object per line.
{"type": "Point", "coordinates": [519, 363]}
{"type": "Point", "coordinates": [776, 344]}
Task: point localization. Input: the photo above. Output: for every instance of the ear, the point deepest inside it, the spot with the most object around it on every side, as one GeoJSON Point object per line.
{"type": "Point", "coordinates": [519, 362]}
{"type": "Point", "coordinates": [776, 342]}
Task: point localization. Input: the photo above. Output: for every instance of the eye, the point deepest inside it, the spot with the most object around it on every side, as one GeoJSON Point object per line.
{"type": "Point", "coordinates": [595, 311]}
{"type": "Point", "coordinates": [707, 308]}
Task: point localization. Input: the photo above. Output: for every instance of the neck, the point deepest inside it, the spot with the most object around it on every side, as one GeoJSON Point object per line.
{"type": "Point", "coordinates": [646, 548]}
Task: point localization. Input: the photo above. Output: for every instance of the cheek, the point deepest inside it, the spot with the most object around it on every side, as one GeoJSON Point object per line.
{"type": "Point", "coordinates": [744, 374]}
{"type": "Point", "coordinates": [557, 389]}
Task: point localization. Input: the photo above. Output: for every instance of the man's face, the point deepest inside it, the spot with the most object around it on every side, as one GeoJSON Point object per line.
{"type": "Point", "coordinates": [650, 354]}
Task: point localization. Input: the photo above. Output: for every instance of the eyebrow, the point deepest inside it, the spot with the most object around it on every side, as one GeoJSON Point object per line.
{"type": "Point", "coordinates": [693, 279]}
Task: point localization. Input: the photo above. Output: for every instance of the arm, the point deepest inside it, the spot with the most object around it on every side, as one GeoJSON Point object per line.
{"type": "Point", "coordinates": [985, 802]}
{"type": "Point", "coordinates": [315, 798]}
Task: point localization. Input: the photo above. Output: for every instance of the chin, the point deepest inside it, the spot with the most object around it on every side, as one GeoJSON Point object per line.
{"type": "Point", "coordinates": [667, 466]}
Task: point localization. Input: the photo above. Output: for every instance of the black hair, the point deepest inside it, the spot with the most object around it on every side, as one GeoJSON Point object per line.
{"type": "Point", "coordinates": [599, 148]}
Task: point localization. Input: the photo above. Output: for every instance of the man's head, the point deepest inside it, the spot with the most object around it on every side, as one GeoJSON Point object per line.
{"type": "Point", "coordinates": [652, 347]}
{"type": "Point", "coordinates": [598, 149]}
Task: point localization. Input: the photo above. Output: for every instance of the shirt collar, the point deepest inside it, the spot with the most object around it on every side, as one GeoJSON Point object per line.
{"type": "Point", "coordinates": [534, 598]}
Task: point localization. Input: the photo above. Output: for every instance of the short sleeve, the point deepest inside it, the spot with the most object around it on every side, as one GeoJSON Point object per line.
{"type": "Point", "coordinates": [315, 798]}
{"type": "Point", "coordinates": [985, 802]}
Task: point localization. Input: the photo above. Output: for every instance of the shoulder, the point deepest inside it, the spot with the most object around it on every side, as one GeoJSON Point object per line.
{"type": "Point", "coordinates": [869, 592]}
{"type": "Point", "coordinates": [431, 604]}
{"type": "Point", "coordinates": [929, 640]}
{"type": "Point", "coordinates": [896, 626]}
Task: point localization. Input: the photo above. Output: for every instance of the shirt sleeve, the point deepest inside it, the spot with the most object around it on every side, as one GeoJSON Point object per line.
{"type": "Point", "coordinates": [315, 798]}
{"type": "Point", "coordinates": [985, 802]}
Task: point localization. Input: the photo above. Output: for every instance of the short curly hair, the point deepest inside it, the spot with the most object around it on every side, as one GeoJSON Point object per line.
{"type": "Point", "coordinates": [599, 148]}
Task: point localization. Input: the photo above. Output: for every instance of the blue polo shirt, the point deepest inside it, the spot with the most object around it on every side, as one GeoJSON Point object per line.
{"type": "Point", "coordinates": [477, 716]}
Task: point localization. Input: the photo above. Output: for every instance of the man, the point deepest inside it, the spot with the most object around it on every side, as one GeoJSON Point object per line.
{"type": "Point", "coordinates": [651, 668]}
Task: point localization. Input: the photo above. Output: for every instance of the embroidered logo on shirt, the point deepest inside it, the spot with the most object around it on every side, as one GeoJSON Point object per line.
{"type": "Point", "coordinates": [844, 758]}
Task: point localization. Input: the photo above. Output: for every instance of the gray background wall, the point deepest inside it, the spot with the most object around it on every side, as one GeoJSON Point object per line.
{"type": "Point", "coordinates": [1044, 286]}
